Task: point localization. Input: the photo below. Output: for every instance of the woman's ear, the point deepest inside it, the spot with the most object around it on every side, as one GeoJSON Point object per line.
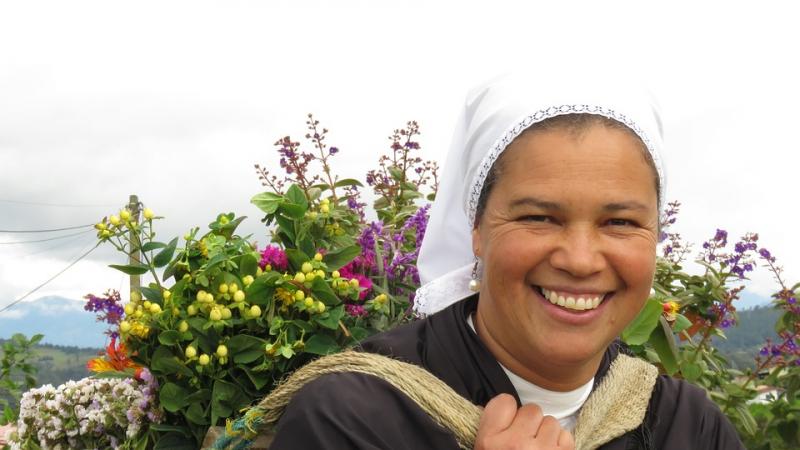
{"type": "Point", "coordinates": [476, 241]}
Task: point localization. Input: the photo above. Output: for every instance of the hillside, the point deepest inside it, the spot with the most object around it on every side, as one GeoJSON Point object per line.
{"type": "Point", "coordinates": [744, 341]}
{"type": "Point", "coordinates": [61, 320]}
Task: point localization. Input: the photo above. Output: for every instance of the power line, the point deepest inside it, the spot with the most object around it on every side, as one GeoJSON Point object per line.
{"type": "Point", "coordinates": [58, 205]}
{"type": "Point", "coordinates": [47, 231]}
{"type": "Point", "coordinates": [48, 239]}
{"type": "Point", "coordinates": [7, 307]}
{"type": "Point", "coordinates": [58, 245]}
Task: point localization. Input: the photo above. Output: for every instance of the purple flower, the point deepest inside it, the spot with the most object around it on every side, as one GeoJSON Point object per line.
{"type": "Point", "coordinates": [765, 253]}
{"type": "Point", "coordinates": [721, 236]}
{"type": "Point", "coordinates": [334, 150]}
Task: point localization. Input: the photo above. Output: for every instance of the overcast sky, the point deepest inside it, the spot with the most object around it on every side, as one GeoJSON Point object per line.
{"type": "Point", "coordinates": [175, 102]}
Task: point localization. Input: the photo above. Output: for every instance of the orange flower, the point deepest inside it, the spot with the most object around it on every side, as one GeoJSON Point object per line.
{"type": "Point", "coordinates": [115, 359]}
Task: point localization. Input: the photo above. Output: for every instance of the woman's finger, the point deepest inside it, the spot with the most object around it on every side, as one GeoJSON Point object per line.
{"type": "Point", "coordinates": [565, 440]}
{"type": "Point", "coordinates": [549, 431]}
{"type": "Point", "coordinates": [498, 415]}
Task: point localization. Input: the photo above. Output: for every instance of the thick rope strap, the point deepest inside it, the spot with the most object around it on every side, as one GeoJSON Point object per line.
{"type": "Point", "coordinates": [448, 409]}
{"type": "Point", "coordinates": [617, 406]}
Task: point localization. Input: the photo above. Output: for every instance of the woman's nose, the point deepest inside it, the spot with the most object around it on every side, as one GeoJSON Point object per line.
{"type": "Point", "coordinates": [578, 252]}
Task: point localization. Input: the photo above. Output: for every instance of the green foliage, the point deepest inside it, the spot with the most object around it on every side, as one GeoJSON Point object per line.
{"type": "Point", "coordinates": [17, 373]}
{"type": "Point", "coordinates": [695, 312]}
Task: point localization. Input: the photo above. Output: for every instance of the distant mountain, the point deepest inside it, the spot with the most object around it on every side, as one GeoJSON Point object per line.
{"type": "Point", "coordinates": [62, 321]}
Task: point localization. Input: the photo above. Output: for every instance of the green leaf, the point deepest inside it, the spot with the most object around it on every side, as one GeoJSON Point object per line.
{"type": "Point", "coordinates": [295, 195]}
{"type": "Point", "coordinates": [149, 246]}
{"type": "Point", "coordinates": [259, 379]}
{"type": "Point", "coordinates": [242, 343]}
{"type": "Point", "coordinates": [396, 173]}
{"type": "Point", "coordinates": [151, 294]}
{"type": "Point", "coordinates": [226, 398]}
{"type": "Point", "coordinates": [286, 225]}
{"type": "Point", "coordinates": [297, 257]}
{"type": "Point", "coordinates": [359, 334]}
{"type": "Point", "coordinates": [663, 341]}
{"type": "Point", "coordinates": [338, 258]}
{"type": "Point", "coordinates": [169, 337]}
{"type": "Point", "coordinates": [746, 419]}
{"type": "Point", "coordinates": [260, 290]}
{"type": "Point", "coordinates": [691, 371]}
{"type": "Point", "coordinates": [322, 291]}
{"type": "Point", "coordinates": [267, 201]}
{"type": "Point", "coordinates": [305, 244]}
{"type": "Point", "coordinates": [195, 414]}
{"type": "Point", "coordinates": [132, 269]}
{"type": "Point", "coordinates": [330, 319]}
{"type": "Point", "coordinates": [293, 210]}
{"type": "Point", "coordinates": [248, 265]}
{"type": "Point", "coordinates": [172, 397]}
{"type": "Point", "coordinates": [321, 344]}
{"type": "Point", "coordinates": [348, 182]}
{"type": "Point", "coordinates": [165, 362]}
{"type": "Point", "coordinates": [175, 441]}
{"type": "Point", "coordinates": [165, 255]}
{"type": "Point", "coordinates": [681, 323]}
{"type": "Point", "coordinates": [638, 331]}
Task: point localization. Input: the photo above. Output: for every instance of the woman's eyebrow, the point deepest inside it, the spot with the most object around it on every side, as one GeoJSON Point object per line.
{"type": "Point", "coordinates": [623, 206]}
{"type": "Point", "coordinates": [555, 206]}
{"type": "Point", "coordinates": [535, 202]}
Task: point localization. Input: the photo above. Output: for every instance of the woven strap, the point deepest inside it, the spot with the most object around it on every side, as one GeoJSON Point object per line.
{"type": "Point", "coordinates": [617, 406]}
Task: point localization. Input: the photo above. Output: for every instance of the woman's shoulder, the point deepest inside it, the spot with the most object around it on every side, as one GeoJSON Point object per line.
{"type": "Point", "coordinates": [357, 411]}
{"type": "Point", "coordinates": [681, 415]}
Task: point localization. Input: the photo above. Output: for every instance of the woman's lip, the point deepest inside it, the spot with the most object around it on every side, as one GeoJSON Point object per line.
{"type": "Point", "coordinates": [570, 316]}
{"type": "Point", "coordinates": [576, 292]}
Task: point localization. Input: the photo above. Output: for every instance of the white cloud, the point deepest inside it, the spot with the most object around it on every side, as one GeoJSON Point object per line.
{"type": "Point", "coordinates": [175, 102]}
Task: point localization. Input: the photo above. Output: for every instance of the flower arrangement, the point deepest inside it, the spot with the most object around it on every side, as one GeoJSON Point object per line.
{"type": "Point", "coordinates": [90, 413]}
{"type": "Point", "coordinates": [223, 319]}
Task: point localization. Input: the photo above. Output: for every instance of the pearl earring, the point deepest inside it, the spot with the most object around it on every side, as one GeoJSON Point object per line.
{"type": "Point", "coordinates": [475, 282]}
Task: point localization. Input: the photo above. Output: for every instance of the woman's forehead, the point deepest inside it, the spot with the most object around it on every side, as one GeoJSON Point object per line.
{"type": "Point", "coordinates": [597, 160]}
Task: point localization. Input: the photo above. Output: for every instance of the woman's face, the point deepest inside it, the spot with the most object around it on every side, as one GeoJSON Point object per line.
{"type": "Point", "coordinates": [571, 222]}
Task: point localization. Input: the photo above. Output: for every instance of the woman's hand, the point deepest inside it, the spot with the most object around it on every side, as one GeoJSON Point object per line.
{"type": "Point", "coordinates": [503, 426]}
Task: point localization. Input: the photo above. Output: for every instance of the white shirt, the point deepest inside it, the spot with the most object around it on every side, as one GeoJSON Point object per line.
{"type": "Point", "coordinates": [564, 406]}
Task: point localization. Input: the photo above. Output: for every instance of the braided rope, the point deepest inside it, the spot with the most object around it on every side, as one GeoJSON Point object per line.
{"type": "Point", "coordinates": [448, 409]}
{"type": "Point", "coordinates": [618, 405]}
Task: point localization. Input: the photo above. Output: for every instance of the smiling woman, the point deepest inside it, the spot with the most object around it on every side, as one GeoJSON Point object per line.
{"type": "Point", "coordinates": [558, 187]}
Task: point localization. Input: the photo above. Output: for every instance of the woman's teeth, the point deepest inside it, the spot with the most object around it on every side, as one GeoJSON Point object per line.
{"type": "Point", "coordinates": [577, 303]}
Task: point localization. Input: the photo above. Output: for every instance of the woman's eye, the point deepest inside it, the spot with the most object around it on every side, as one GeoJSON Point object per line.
{"type": "Point", "coordinates": [535, 218]}
{"type": "Point", "coordinates": [621, 222]}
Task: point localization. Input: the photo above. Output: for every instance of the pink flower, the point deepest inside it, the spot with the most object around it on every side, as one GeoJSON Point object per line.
{"type": "Point", "coordinates": [275, 257]}
{"type": "Point", "coordinates": [356, 310]}
{"type": "Point", "coordinates": [363, 282]}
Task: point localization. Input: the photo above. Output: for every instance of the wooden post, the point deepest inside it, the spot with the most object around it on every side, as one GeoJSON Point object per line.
{"type": "Point", "coordinates": [133, 207]}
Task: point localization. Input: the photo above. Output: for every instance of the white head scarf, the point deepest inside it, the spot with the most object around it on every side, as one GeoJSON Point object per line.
{"type": "Point", "coordinates": [494, 115]}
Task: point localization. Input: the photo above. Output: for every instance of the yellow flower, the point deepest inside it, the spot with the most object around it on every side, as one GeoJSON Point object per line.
{"type": "Point", "coordinates": [148, 213]}
{"type": "Point", "coordinates": [125, 214]}
{"type": "Point", "coordinates": [284, 296]}
{"type": "Point", "coordinates": [204, 360]}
